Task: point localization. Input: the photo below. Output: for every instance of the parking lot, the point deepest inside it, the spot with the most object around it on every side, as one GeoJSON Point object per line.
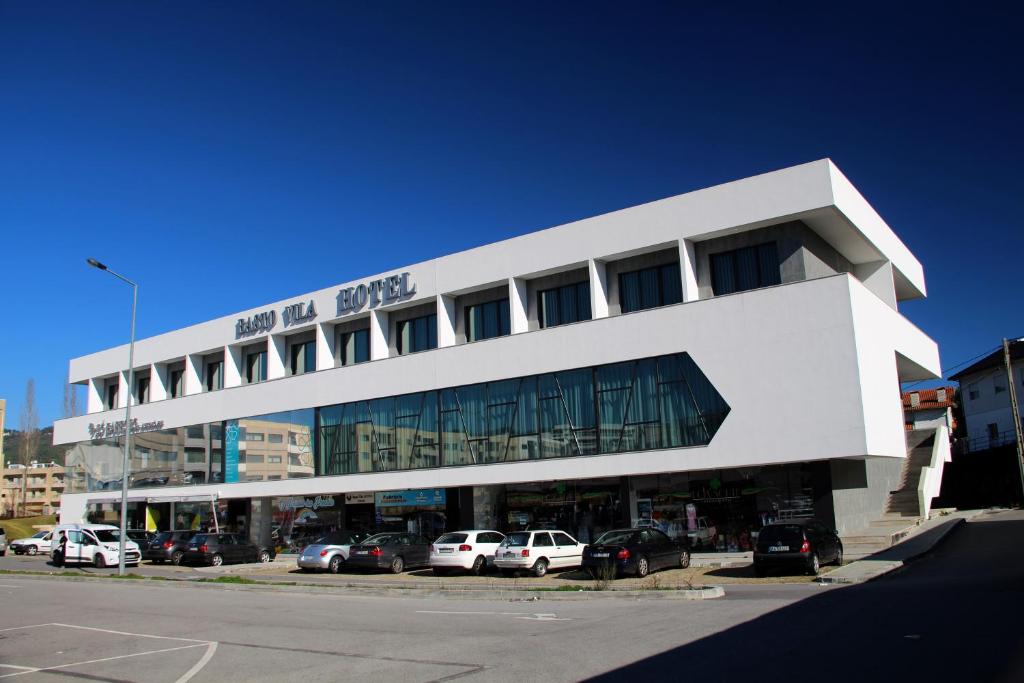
{"type": "Point", "coordinates": [736, 571]}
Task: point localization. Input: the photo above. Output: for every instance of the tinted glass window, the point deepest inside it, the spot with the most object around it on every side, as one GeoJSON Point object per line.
{"type": "Point", "coordinates": [520, 538]}
{"type": "Point", "coordinates": [742, 269]}
{"type": "Point", "coordinates": [542, 540]}
{"type": "Point", "coordinates": [563, 539]}
{"type": "Point", "coordinates": [658, 537]}
{"type": "Point", "coordinates": [650, 287]}
{"type": "Point", "coordinates": [453, 538]}
{"type": "Point", "coordinates": [781, 533]}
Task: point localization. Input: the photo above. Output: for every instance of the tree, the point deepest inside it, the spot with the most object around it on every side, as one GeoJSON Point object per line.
{"type": "Point", "coordinates": [28, 423]}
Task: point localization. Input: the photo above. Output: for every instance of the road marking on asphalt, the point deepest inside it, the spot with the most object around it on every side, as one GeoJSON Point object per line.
{"type": "Point", "coordinates": [19, 628]}
{"type": "Point", "coordinates": [14, 666]}
{"type": "Point", "coordinates": [203, 661]}
{"type": "Point", "coordinates": [134, 635]}
{"type": "Point", "coordinates": [532, 616]}
{"type": "Point", "coordinates": [104, 659]}
{"type": "Point", "coordinates": [10, 585]}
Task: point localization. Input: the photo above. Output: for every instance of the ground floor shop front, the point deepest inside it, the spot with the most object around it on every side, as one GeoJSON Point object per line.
{"type": "Point", "coordinates": [721, 509]}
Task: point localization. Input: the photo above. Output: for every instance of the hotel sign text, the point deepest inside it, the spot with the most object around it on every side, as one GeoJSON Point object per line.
{"type": "Point", "coordinates": [375, 293]}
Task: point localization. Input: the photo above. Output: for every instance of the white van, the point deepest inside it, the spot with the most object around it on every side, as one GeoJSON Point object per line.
{"type": "Point", "coordinates": [96, 544]}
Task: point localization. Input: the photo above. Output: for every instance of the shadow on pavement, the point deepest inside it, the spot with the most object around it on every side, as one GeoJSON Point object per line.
{"type": "Point", "coordinates": [953, 616]}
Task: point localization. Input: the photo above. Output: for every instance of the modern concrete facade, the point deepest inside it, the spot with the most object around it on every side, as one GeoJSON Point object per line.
{"type": "Point", "coordinates": [770, 355]}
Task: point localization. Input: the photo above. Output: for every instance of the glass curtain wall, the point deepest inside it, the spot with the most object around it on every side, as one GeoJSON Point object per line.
{"type": "Point", "coordinates": [663, 402]}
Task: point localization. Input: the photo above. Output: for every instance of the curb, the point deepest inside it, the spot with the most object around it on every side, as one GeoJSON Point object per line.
{"type": "Point", "coordinates": [885, 567]}
{"type": "Point", "coordinates": [509, 594]}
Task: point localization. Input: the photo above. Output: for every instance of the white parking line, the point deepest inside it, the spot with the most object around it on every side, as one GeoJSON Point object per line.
{"type": "Point", "coordinates": [126, 633]}
{"type": "Point", "coordinates": [533, 616]}
{"type": "Point", "coordinates": [105, 659]}
{"type": "Point", "coordinates": [203, 661]}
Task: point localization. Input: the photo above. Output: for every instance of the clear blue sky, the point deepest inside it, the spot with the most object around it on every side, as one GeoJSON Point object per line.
{"type": "Point", "coordinates": [229, 154]}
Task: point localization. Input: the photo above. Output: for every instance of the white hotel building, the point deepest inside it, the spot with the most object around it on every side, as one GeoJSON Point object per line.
{"type": "Point", "coordinates": [733, 354]}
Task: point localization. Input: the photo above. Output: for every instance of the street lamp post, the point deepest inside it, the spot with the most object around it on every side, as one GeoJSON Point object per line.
{"type": "Point", "coordinates": [127, 415]}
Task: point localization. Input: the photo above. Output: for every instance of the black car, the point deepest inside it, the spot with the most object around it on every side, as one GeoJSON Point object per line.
{"type": "Point", "coordinates": [142, 537]}
{"type": "Point", "coordinates": [803, 544]}
{"type": "Point", "coordinates": [393, 551]}
{"type": "Point", "coordinates": [218, 549]}
{"type": "Point", "coordinates": [168, 546]}
{"type": "Point", "coordinates": [635, 551]}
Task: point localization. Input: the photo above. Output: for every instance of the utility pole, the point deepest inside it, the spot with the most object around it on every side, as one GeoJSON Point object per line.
{"type": "Point", "coordinates": [1015, 412]}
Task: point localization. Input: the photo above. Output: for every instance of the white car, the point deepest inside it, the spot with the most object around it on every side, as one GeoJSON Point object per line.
{"type": "Point", "coordinates": [96, 544]}
{"type": "Point", "coordinates": [538, 551]}
{"type": "Point", "coordinates": [469, 550]}
{"type": "Point", "coordinates": [33, 545]}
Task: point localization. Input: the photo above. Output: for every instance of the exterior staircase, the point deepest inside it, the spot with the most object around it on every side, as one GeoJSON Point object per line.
{"type": "Point", "coordinates": [903, 511]}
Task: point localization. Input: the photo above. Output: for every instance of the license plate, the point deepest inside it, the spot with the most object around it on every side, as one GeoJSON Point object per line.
{"type": "Point", "coordinates": [445, 550]}
{"type": "Point", "coordinates": [778, 549]}
{"type": "Point", "coordinates": [362, 552]}
{"type": "Point", "coordinates": [600, 555]}
{"type": "Point", "coordinates": [509, 556]}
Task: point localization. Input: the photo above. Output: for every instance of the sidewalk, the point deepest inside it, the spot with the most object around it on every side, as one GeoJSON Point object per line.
{"type": "Point", "coordinates": [928, 535]}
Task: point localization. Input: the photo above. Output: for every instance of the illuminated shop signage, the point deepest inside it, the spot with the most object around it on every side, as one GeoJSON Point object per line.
{"type": "Point", "coordinates": [375, 293]}
{"type": "Point", "coordinates": [296, 503]}
{"type": "Point", "coordinates": [390, 499]}
{"type": "Point", "coordinates": [112, 430]}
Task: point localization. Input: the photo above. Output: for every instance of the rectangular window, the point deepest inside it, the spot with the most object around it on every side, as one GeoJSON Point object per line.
{"type": "Point", "coordinates": [255, 367]}
{"type": "Point", "coordinates": [251, 459]}
{"type": "Point", "coordinates": [142, 390]}
{"type": "Point", "coordinates": [484, 321]}
{"type": "Point", "coordinates": [564, 305]}
{"type": "Point", "coordinates": [418, 334]}
{"type": "Point", "coordinates": [274, 459]}
{"type": "Point", "coordinates": [275, 438]}
{"type": "Point", "coordinates": [973, 392]}
{"type": "Point", "coordinates": [743, 269]}
{"type": "Point", "coordinates": [303, 357]}
{"type": "Point", "coordinates": [999, 384]}
{"type": "Point", "coordinates": [177, 383]}
{"type": "Point", "coordinates": [111, 397]}
{"type": "Point", "coordinates": [254, 436]}
{"type": "Point", "coordinates": [215, 375]}
{"type": "Point", "coordinates": [650, 288]}
{"type": "Point", "coordinates": [355, 347]}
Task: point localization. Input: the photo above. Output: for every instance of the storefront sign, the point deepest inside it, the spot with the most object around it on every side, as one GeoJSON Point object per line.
{"type": "Point", "coordinates": [389, 499]}
{"type": "Point", "coordinates": [298, 313]}
{"type": "Point", "coordinates": [231, 452]}
{"type": "Point", "coordinates": [112, 430]}
{"type": "Point", "coordinates": [386, 290]}
{"type": "Point", "coordinates": [358, 498]}
{"type": "Point", "coordinates": [297, 502]}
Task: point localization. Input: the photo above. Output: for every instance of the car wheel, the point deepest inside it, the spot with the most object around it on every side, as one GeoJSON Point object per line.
{"type": "Point", "coordinates": [684, 559]}
{"type": "Point", "coordinates": [397, 565]}
{"type": "Point", "coordinates": [99, 561]}
{"type": "Point", "coordinates": [839, 557]}
{"type": "Point", "coordinates": [217, 560]}
{"type": "Point", "coordinates": [263, 556]}
{"type": "Point", "coordinates": [643, 567]}
{"type": "Point", "coordinates": [540, 568]}
{"type": "Point", "coordinates": [31, 550]}
{"type": "Point", "coordinates": [815, 565]}
{"type": "Point", "coordinates": [334, 566]}
{"type": "Point", "coordinates": [479, 564]}
{"type": "Point", "coordinates": [176, 557]}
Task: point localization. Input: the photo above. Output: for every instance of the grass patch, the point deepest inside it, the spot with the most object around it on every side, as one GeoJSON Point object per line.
{"type": "Point", "coordinates": [229, 579]}
{"type": "Point", "coordinates": [23, 527]}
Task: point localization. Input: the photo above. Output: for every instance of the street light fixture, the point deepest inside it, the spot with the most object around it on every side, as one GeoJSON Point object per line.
{"type": "Point", "coordinates": [127, 414]}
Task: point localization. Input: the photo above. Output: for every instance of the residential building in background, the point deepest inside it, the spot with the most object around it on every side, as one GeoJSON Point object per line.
{"type": "Point", "coordinates": [930, 408]}
{"type": "Point", "coordinates": [33, 489]}
{"type": "Point", "coordinates": [985, 397]}
{"type": "Point", "coordinates": [660, 364]}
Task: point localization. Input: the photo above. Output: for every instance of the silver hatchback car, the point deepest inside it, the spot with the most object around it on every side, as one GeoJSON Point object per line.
{"type": "Point", "coordinates": [329, 552]}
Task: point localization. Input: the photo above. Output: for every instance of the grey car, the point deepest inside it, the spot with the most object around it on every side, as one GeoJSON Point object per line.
{"type": "Point", "coordinates": [329, 552]}
{"type": "Point", "coordinates": [392, 551]}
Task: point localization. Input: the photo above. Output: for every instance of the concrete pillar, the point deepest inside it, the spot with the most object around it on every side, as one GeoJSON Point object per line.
{"type": "Point", "coordinates": [446, 316]}
{"type": "Point", "coordinates": [326, 340]}
{"type": "Point", "coordinates": [94, 397]}
{"type": "Point", "coordinates": [123, 393]}
{"type": "Point", "coordinates": [688, 268]}
{"type": "Point", "coordinates": [157, 382]}
{"type": "Point", "coordinates": [598, 289]}
{"type": "Point", "coordinates": [232, 366]}
{"type": "Point", "coordinates": [193, 374]}
{"type": "Point", "coordinates": [379, 335]}
{"type": "Point", "coordinates": [518, 305]}
{"type": "Point", "coordinates": [277, 355]}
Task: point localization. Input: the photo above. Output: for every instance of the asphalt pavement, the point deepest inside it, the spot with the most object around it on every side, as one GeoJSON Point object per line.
{"type": "Point", "coordinates": [950, 616]}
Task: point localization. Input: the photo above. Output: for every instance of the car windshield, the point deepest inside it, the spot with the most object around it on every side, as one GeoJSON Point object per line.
{"type": "Point", "coordinates": [781, 533]}
{"type": "Point", "coordinates": [516, 539]}
{"type": "Point", "coordinates": [615, 537]}
{"type": "Point", "coordinates": [337, 538]}
{"type": "Point", "coordinates": [380, 539]}
{"type": "Point", "coordinates": [107, 535]}
{"type": "Point", "coordinates": [41, 534]}
{"type": "Point", "coordinates": [199, 539]}
{"type": "Point", "coordinates": [452, 538]}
